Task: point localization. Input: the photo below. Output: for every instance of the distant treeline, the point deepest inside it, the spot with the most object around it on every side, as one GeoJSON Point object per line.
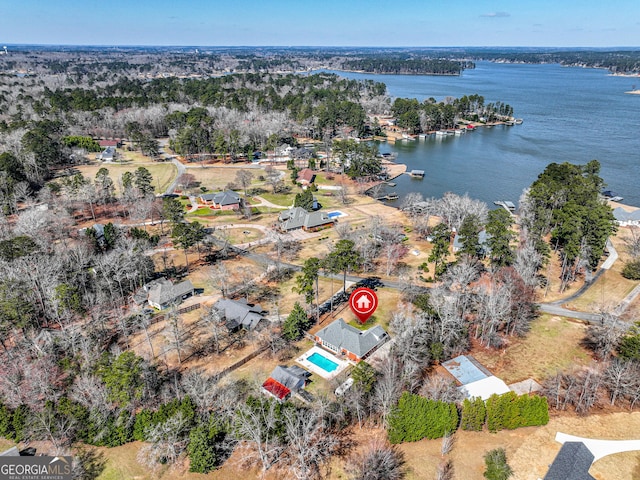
{"type": "Point", "coordinates": [622, 61]}
{"type": "Point", "coordinates": [403, 65]}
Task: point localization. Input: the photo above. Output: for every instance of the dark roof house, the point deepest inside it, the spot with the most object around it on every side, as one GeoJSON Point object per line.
{"type": "Point", "coordinates": [298, 217]}
{"type": "Point", "coordinates": [225, 200]}
{"type": "Point", "coordinates": [572, 463]}
{"type": "Point", "coordinates": [340, 337]}
{"type": "Point", "coordinates": [285, 381]}
{"type": "Point", "coordinates": [163, 293]}
{"type": "Point", "coordinates": [239, 314]}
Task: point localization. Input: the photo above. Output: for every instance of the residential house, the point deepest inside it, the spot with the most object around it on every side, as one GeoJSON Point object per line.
{"type": "Point", "coordinates": [483, 236]}
{"type": "Point", "coordinates": [340, 337]}
{"type": "Point", "coordinates": [625, 218]}
{"type": "Point", "coordinates": [285, 381]}
{"type": "Point", "coordinates": [226, 200]}
{"type": "Point", "coordinates": [239, 314]}
{"type": "Point", "coordinates": [107, 155]}
{"type": "Point", "coordinates": [306, 177]}
{"type": "Point", "coordinates": [163, 293]}
{"type": "Point", "coordinates": [110, 143]}
{"type": "Point", "coordinates": [572, 463]}
{"type": "Point", "coordinates": [298, 218]}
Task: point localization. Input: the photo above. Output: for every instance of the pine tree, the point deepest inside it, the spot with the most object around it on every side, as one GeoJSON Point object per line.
{"type": "Point", "coordinates": [296, 323]}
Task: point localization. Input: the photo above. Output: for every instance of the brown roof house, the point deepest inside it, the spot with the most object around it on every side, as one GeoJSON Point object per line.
{"type": "Point", "coordinates": [305, 177]}
{"type": "Point", "coordinates": [297, 217]}
{"type": "Point", "coordinates": [163, 293]}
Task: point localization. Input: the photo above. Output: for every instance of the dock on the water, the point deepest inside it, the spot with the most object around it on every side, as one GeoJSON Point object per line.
{"type": "Point", "coordinates": [390, 196]}
{"type": "Point", "coordinates": [417, 173]}
{"type": "Point", "coordinates": [507, 205]}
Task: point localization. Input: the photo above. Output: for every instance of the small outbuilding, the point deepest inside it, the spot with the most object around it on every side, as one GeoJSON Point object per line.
{"type": "Point", "coordinates": [285, 382]}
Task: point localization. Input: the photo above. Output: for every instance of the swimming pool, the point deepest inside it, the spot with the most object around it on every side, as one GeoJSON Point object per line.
{"type": "Point", "coordinates": [336, 214]}
{"type": "Point", "coordinates": [323, 362]}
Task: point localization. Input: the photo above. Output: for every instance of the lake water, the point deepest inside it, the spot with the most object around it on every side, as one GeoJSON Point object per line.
{"type": "Point", "coordinates": [570, 114]}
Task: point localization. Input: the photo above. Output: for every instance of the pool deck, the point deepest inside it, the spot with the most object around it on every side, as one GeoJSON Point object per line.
{"type": "Point", "coordinates": [302, 360]}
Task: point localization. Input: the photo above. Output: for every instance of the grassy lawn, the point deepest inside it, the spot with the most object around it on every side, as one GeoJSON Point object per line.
{"type": "Point", "coordinates": [284, 199]}
{"type": "Point", "coordinates": [216, 178]}
{"type": "Point", "coordinates": [611, 288]}
{"type": "Point", "coordinates": [553, 344]}
{"type": "Point", "coordinates": [163, 173]}
{"type": "Point", "coordinates": [243, 235]}
{"type": "Point", "coordinates": [211, 212]}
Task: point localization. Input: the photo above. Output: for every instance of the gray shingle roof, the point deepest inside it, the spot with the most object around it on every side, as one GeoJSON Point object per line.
{"type": "Point", "coordinates": [239, 313]}
{"type": "Point", "coordinates": [622, 215]}
{"type": "Point", "coordinates": [572, 463]}
{"type": "Point", "coordinates": [226, 198]}
{"type": "Point", "coordinates": [342, 335]}
{"type": "Point", "coordinates": [163, 292]}
{"type": "Point", "coordinates": [290, 377]}
{"type": "Point", "coordinates": [298, 217]}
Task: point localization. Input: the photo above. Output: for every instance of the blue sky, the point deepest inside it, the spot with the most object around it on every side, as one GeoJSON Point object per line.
{"type": "Point", "coordinates": [322, 22]}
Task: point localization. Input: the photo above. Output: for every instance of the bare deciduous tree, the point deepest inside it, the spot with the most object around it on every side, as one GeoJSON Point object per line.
{"type": "Point", "coordinates": [379, 461]}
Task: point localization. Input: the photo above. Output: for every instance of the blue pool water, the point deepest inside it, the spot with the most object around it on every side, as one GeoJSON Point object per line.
{"type": "Point", "coordinates": [334, 214]}
{"type": "Point", "coordinates": [323, 362]}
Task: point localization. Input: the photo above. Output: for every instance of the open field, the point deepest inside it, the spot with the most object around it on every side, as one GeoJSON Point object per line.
{"type": "Point", "coordinates": [552, 345]}
{"type": "Point", "coordinates": [216, 177]}
{"type": "Point", "coordinates": [163, 173]}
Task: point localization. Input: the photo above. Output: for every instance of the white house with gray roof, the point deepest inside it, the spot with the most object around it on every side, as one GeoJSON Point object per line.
{"type": "Point", "coordinates": [298, 218]}
{"type": "Point", "coordinates": [340, 337]}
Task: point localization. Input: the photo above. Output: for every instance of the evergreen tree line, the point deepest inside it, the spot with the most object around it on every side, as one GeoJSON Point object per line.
{"type": "Point", "coordinates": [416, 417]}
{"type": "Point", "coordinates": [504, 412]}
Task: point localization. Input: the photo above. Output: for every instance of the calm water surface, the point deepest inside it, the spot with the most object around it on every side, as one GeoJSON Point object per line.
{"type": "Point", "coordinates": [570, 114]}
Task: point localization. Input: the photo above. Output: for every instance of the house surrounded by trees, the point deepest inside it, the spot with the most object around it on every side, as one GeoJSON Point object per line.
{"type": "Point", "coordinates": [163, 293]}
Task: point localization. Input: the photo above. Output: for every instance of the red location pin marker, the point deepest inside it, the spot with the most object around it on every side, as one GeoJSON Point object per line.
{"type": "Point", "coordinates": [363, 302]}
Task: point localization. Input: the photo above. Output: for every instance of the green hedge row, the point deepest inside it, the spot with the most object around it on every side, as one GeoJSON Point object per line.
{"type": "Point", "coordinates": [417, 417]}
{"type": "Point", "coordinates": [507, 411]}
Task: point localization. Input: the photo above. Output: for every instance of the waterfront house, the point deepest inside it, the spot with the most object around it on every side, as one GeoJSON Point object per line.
{"type": "Point", "coordinates": [298, 218]}
{"type": "Point", "coordinates": [627, 219]}
{"type": "Point", "coordinates": [163, 293]}
{"type": "Point", "coordinates": [341, 338]}
{"type": "Point", "coordinates": [285, 381]}
{"type": "Point", "coordinates": [239, 314]}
